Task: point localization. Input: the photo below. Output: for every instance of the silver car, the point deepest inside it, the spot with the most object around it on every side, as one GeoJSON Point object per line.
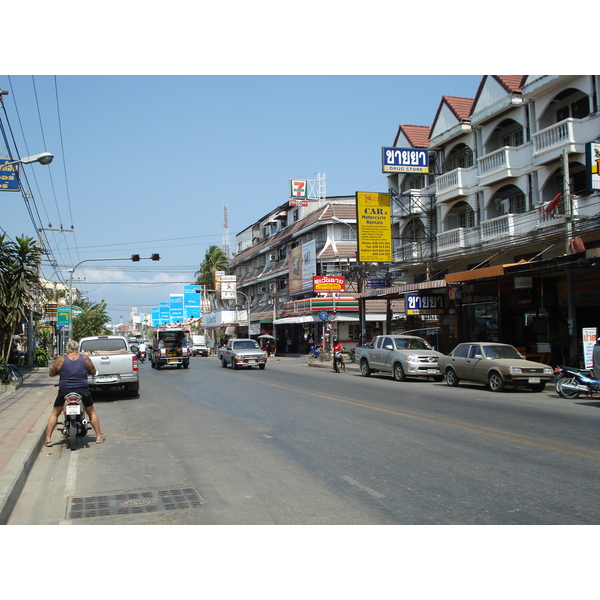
{"type": "Point", "coordinates": [497, 365]}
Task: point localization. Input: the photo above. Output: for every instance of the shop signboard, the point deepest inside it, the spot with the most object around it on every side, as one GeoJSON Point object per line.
{"type": "Point", "coordinates": [590, 336]}
{"type": "Point", "coordinates": [424, 304]}
{"type": "Point", "coordinates": [404, 160]}
{"type": "Point", "coordinates": [9, 176]}
{"type": "Point", "coordinates": [329, 284]}
{"type": "Point", "coordinates": [374, 224]}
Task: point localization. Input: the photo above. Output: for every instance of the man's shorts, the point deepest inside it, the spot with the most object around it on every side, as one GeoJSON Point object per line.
{"type": "Point", "coordinates": [85, 394]}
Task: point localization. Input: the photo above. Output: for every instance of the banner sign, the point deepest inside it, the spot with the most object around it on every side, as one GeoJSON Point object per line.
{"type": "Point", "coordinates": [165, 317]}
{"type": "Point", "coordinates": [424, 304]}
{"type": "Point", "coordinates": [374, 223]}
{"type": "Point", "coordinates": [228, 287]}
{"type": "Point", "coordinates": [176, 308]}
{"type": "Point", "coordinates": [329, 284]}
{"type": "Point", "coordinates": [9, 176]}
{"type": "Point", "coordinates": [302, 267]}
{"type": "Point", "coordinates": [191, 302]}
{"type": "Point", "coordinates": [590, 335]}
{"type": "Point", "coordinates": [405, 160]}
{"type": "Point", "coordinates": [156, 317]}
{"type": "Point", "coordinates": [592, 167]}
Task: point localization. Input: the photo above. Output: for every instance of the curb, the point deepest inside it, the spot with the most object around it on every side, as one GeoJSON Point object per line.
{"type": "Point", "coordinates": [18, 468]}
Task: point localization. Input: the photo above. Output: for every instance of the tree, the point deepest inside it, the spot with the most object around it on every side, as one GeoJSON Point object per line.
{"type": "Point", "coordinates": [92, 321]}
{"type": "Point", "coordinates": [19, 276]}
{"type": "Point", "coordinates": [214, 260]}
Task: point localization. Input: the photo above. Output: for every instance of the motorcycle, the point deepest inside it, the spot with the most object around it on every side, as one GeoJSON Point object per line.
{"type": "Point", "coordinates": [12, 375]}
{"type": "Point", "coordinates": [314, 352]}
{"type": "Point", "coordinates": [337, 361]}
{"type": "Point", "coordinates": [75, 425]}
{"type": "Point", "coordinates": [571, 382]}
{"type": "Point", "coordinates": [141, 354]}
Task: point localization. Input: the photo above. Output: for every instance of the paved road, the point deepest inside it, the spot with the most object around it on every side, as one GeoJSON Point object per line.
{"type": "Point", "coordinates": [296, 445]}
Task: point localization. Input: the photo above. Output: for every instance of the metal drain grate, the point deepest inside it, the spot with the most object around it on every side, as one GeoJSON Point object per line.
{"type": "Point", "coordinates": [133, 503]}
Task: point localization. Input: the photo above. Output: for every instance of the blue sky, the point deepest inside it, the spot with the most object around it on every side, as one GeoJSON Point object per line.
{"type": "Point", "coordinates": [146, 163]}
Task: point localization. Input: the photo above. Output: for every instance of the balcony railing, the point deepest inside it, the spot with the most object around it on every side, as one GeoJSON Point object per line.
{"type": "Point", "coordinates": [503, 163]}
{"type": "Point", "coordinates": [564, 135]}
{"type": "Point", "coordinates": [455, 183]}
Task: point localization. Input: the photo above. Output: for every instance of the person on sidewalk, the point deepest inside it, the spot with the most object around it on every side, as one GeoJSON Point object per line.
{"type": "Point", "coordinates": [73, 370]}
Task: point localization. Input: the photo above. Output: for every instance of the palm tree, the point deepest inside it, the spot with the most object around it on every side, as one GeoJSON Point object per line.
{"type": "Point", "coordinates": [19, 264]}
{"type": "Point", "coordinates": [214, 260]}
{"type": "Point", "coordinates": [92, 321]}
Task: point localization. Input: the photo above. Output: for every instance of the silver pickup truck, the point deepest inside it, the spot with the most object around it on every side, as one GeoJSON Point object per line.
{"type": "Point", "coordinates": [402, 355]}
{"type": "Point", "coordinates": [115, 364]}
{"type": "Point", "coordinates": [240, 352]}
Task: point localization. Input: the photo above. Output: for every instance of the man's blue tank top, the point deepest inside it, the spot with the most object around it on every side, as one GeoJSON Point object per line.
{"type": "Point", "coordinates": [73, 374]}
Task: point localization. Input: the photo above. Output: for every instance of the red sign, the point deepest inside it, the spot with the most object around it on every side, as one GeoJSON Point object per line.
{"type": "Point", "coordinates": [335, 283]}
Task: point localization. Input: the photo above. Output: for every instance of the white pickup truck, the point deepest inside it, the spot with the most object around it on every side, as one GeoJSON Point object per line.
{"type": "Point", "coordinates": [115, 364]}
{"type": "Point", "coordinates": [402, 355]}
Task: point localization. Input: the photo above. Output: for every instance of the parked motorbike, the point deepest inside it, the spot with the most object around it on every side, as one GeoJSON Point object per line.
{"type": "Point", "coordinates": [571, 382]}
{"type": "Point", "coordinates": [314, 352]}
{"type": "Point", "coordinates": [10, 374]}
{"type": "Point", "coordinates": [75, 425]}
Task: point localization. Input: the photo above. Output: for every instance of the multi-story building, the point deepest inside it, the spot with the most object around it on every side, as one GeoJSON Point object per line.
{"type": "Point", "coordinates": [506, 223]}
{"type": "Point", "coordinates": [275, 261]}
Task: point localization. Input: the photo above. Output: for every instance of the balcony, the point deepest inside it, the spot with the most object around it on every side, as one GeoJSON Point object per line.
{"type": "Point", "coordinates": [412, 252]}
{"type": "Point", "coordinates": [411, 202]}
{"type": "Point", "coordinates": [504, 163]}
{"type": "Point", "coordinates": [506, 226]}
{"type": "Point", "coordinates": [457, 239]}
{"type": "Point", "coordinates": [456, 183]}
{"type": "Point", "coordinates": [570, 135]}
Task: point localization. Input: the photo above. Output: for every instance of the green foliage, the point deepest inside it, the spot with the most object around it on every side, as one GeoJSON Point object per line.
{"type": "Point", "coordinates": [214, 260]}
{"type": "Point", "coordinates": [19, 262]}
{"type": "Point", "coordinates": [92, 321]}
{"type": "Point", "coordinates": [3, 370]}
{"type": "Point", "coordinates": [40, 357]}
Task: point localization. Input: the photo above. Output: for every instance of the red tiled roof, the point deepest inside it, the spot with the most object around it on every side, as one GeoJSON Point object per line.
{"type": "Point", "coordinates": [417, 135]}
{"type": "Point", "coordinates": [461, 107]}
{"type": "Point", "coordinates": [511, 83]}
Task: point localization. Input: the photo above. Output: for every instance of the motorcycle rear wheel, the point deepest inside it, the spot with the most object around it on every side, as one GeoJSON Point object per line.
{"type": "Point", "coordinates": [72, 435]}
{"type": "Point", "coordinates": [568, 394]}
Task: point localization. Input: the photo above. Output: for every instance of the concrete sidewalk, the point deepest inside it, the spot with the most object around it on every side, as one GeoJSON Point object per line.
{"type": "Point", "coordinates": [23, 416]}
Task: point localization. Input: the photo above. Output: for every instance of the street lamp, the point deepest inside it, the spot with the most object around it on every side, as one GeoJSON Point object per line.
{"type": "Point", "coordinates": [45, 158]}
{"type": "Point", "coordinates": [133, 257]}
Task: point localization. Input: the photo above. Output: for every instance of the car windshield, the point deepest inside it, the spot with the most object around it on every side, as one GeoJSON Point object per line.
{"type": "Point", "coordinates": [245, 345]}
{"type": "Point", "coordinates": [412, 344]}
{"type": "Point", "coordinates": [501, 352]}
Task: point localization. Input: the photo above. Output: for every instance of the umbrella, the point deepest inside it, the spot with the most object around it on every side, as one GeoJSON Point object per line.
{"type": "Point", "coordinates": [267, 336]}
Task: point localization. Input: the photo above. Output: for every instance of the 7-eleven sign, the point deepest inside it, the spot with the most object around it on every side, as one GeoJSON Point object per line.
{"type": "Point", "coordinates": [299, 188]}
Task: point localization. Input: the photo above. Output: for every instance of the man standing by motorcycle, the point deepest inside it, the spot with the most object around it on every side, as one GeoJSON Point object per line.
{"type": "Point", "coordinates": [338, 356]}
{"type": "Point", "coordinates": [73, 370]}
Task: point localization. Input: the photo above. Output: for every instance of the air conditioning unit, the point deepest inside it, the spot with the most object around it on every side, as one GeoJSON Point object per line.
{"type": "Point", "coordinates": [272, 256]}
{"type": "Point", "coordinates": [263, 288]}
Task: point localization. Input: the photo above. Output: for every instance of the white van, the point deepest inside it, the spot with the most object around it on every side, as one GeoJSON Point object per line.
{"type": "Point", "coordinates": [199, 345]}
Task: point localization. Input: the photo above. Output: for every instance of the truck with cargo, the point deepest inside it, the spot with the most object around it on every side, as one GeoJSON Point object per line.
{"type": "Point", "coordinates": [170, 348]}
{"type": "Point", "coordinates": [403, 356]}
{"type": "Point", "coordinates": [115, 364]}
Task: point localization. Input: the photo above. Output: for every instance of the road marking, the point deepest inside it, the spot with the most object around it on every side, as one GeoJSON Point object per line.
{"type": "Point", "coordinates": [362, 487]}
{"type": "Point", "coordinates": [466, 426]}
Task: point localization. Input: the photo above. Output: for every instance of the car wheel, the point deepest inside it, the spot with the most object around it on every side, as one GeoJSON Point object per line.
{"type": "Point", "coordinates": [261, 367]}
{"type": "Point", "coordinates": [495, 382]}
{"type": "Point", "coordinates": [538, 387]}
{"type": "Point", "coordinates": [365, 371]}
{"type": "Point", "coordinates": [451, 378]}
{"type": "Point", "coordinates": [233, 364]}
{"type": "Point", "coordinates": [399, 372]}
{"type": "Point", "coordinates": [438, 378]}
{"type": "Point", "coordinates": [223, 363]}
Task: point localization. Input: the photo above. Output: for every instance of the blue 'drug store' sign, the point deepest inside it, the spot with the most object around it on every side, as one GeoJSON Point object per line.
{"type": "Point", "coordinates": [404, 160]}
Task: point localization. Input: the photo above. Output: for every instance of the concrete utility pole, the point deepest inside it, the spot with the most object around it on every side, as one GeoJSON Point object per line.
{"type": "Point", "coordinates": [571, 309]}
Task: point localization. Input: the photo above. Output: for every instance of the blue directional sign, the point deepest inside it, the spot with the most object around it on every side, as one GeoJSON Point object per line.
{"type": "Point", "coordinates": [9, 176]}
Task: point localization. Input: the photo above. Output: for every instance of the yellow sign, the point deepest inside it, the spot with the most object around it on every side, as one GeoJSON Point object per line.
{"type": "Point", "coordinates": [374, 223]}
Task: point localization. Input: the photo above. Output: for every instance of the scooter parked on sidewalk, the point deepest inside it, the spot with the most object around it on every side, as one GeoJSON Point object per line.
{"type": "Point", "coordinates": [571, 382]}
{"type": "Point", "coordinates": [75, 425]}
{"type": "Point", "coordinates": [10, 374]}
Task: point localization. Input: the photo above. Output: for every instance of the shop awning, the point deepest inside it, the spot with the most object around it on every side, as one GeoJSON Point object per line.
{"type": "Point", "coordinates": [295, 320]}
{"type": "Point", "coordinates": [482, 273]}
{"type": "Point", "coordinates": [400, 290]}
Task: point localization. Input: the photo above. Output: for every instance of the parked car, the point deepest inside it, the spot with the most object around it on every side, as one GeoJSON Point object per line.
{"type": "Point", "coordinates": [495, 364]}
{"type": "Point", "coordinates": [401, 355]}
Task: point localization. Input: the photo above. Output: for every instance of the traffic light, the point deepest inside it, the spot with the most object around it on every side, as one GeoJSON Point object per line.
{"type": "Point", "coordinates": [155, 257]}
{"type": "Point", "coordinates": [135, 257]}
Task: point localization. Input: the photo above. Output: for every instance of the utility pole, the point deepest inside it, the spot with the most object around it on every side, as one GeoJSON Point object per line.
{"type": "Point", "coordinates": [571, 309]}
